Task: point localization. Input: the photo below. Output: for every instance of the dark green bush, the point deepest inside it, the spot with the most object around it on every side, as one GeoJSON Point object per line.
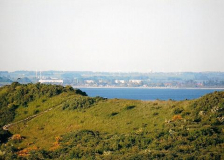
{"type": "Point", "coordinates": [178, 110]}
{"type": "Point", "coordinates": [113, 113]}
{"type": "Point", "coordinates": [36, 111]}
{"type": "Point", "coordinates": [129, 107]}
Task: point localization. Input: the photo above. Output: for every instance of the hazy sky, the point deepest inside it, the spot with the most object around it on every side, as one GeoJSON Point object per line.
{"type": "Point", "coordinates": [112, 35]}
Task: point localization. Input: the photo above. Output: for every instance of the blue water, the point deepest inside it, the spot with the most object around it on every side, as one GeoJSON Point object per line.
{"type": "Point", "coordinates": [147, 94]}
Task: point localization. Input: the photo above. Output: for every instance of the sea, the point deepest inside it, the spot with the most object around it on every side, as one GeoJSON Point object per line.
{"type": "Point", "coordinates": [148, 93]}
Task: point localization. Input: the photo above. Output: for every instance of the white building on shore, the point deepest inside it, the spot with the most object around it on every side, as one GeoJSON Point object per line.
{"type": "Point", "coordinates": [135, 81]}
{"type": "Point", "coordinates": [54, 81]}
{"type": "Point", "coordinates": [119, 81]}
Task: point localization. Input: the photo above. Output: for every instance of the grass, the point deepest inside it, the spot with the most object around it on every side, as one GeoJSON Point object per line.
{"type": "Point", "coordinates": [124, 127]}
{"type": "Point", "coordinates": [114, 116]}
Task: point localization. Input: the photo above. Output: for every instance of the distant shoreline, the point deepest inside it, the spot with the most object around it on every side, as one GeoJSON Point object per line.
{"type": "Point", "coordinates": [145, 87]}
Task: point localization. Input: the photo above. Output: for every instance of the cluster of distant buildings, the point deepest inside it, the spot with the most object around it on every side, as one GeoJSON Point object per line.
{"type": "Point", "coordinates": [138, 83]}
{"type": "Point", "coordinates": [123, 83]}
{"type": "Point", "coordinates": [54, 81]}
{"type": "Point", "coordinates": [130, 81]}
{"type": "Point", "coordinates": [93, 83]}
{"type": "Point", "coordinates": [48, 80]}
{"type": "Point", "coordinates": [115, 81]}
{"type": "Point", "coordinates": [110, 83]}
{"type": "Point", "coordinates": [110, 79]}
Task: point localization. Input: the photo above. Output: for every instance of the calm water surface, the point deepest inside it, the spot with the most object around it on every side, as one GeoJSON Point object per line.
{"type": "Point", "coordinates": [148, 94]}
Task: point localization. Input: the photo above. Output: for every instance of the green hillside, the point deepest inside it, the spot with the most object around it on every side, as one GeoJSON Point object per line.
{"type": "Point", "coordinates": [56, 122]}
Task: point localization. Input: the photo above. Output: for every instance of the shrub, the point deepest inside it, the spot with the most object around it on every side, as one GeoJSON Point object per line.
{"type": "Point", "coordinates": [178, 110]}
{"type": "Point", "coordinates": [36, 111]}
{"type": "Point", "coordinates": [25, 152]}
{"type": "Point", "coordinates": [12, 106]}
{"type": "Point", "coordinates": [155, 113]}
{"type": "Point", "coordinates": [56, 144]}
{"type": "Point", "coordinates": [16, 137]}
{"type": "Point", "coordinates": [176, 117]}
{"type": "Point", "coordinates": [113, 113]}
{"type": "Point", "coordinates": [129, 107]}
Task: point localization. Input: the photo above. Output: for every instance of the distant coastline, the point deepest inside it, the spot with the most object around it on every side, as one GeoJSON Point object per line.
{"type": "Point", "coordinates": [84, 79]}
{"type": "Point", "coordinates": [212, 88]}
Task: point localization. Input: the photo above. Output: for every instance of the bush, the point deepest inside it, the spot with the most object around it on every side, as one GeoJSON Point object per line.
{"type": "Point", "coordinates": [178, 110]}
{"type": "Point", "coordinates": [155, 113]}
{"type": "Point", "coordinates": [129, 107]}
{"type": "Point", "coordinates": [36, 111]}
{"type": "Point", "coordinates": [113, 113]}
{"type": "Point", "coordinates": [17, 138]}
{"type": "Point", "coordinates": [176, 117]}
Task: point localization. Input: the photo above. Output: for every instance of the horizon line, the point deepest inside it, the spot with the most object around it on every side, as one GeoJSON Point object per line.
{"type": "Point", "coordinates": [111, 71]}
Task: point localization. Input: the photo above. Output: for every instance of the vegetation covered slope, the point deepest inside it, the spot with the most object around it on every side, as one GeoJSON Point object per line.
{"type": "Point", "coordinates": [71, 125]}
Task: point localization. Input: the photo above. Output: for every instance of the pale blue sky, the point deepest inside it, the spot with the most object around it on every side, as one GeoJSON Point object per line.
{"type": "Point", "coordinates": [112, 35]}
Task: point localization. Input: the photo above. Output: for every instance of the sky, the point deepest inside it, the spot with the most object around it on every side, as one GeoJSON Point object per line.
{"type": "Point", "coordinates": [112, 35]}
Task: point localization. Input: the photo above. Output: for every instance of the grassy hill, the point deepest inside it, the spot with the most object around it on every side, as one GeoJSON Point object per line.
{"type": "Point", "coordinates": [67, 124]}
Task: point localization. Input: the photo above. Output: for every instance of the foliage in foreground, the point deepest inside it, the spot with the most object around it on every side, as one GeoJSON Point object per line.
{"type": "Point", "coordinates": [115, 129]}
{"type": "Point", "coordinates": [16, 95]}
